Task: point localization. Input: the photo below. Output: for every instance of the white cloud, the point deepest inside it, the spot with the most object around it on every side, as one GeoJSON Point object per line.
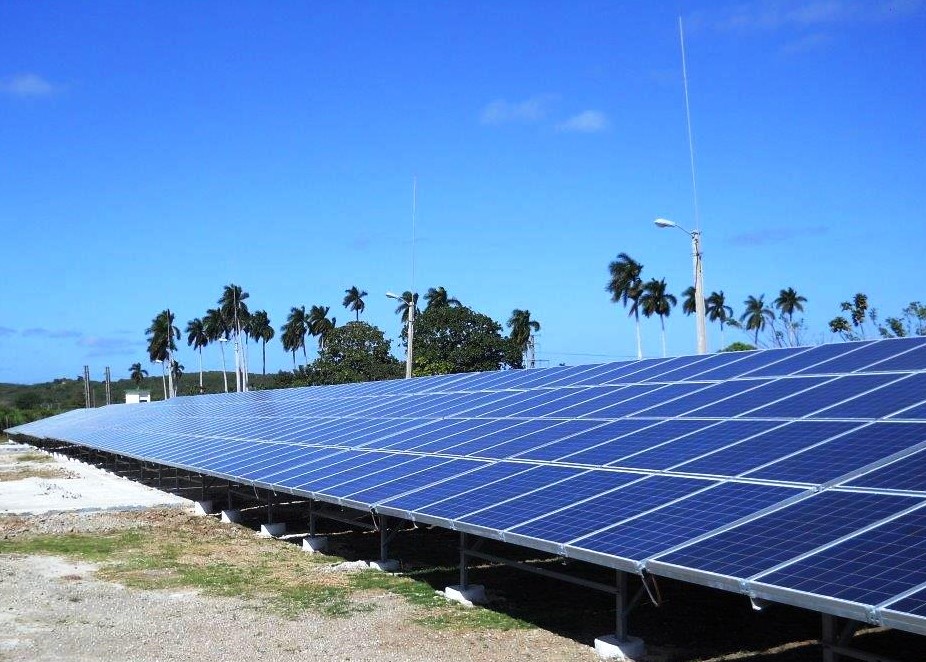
{"type": "Point", "coordinates": [805, 14]}
{"type": "Point", "coordinates": [501, 111]}
{"type": "Point", "coordinates": [588, 121]}
{"type": "Point", "coordinates": [27, 86]}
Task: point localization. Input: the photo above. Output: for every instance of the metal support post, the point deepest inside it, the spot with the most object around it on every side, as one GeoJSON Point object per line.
{"type": "Point", "coordinates": [464, 568]}
{"type": "Point", "coordinates": [312, 518]}
{"type": "Point", "coordinates": [620, 601]}
{"type": "Point", "coordinates": [229, 496]}
{"type": "Point", "coordinates": [270, 508]}
{"type": "Point", "coordinates": [383, 537]}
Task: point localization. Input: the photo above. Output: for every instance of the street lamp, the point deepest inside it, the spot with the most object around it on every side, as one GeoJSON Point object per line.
{"type": "Point", "coordinates": [700, 313]}
{"type": "Point", "coordinates": [163, 377]}
{"type": "Point", "coordinates": [411, 330]}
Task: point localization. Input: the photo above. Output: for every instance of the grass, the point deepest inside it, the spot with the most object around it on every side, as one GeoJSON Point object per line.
{"type": "Point", "coordinates": [30, 472]}
{"type": "Point", "coordinates": [33, 456]}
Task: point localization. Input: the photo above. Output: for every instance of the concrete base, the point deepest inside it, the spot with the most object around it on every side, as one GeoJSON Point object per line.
{"type": "Point", "coordinates": [474, 594]}
{"type": "Point", "coordinates": [203, 508]}
{"type": "Point", "coordinates": [390, 565]}
{"type": "Point", "coordinates": [610, 648]}
{"type": "Point", "coordinates": [231, 517]}
{"type": "Point", "coordinates": [315, 544]}
{"type": "Point", "coordinates": [272, 530]}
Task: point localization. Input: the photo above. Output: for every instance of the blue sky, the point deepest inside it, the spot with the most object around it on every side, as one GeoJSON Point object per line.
{"type": "Point", "coordinates": [151, 153]}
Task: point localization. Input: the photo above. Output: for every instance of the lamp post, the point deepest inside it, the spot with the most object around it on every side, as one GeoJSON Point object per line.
{"type": "Point", "coordinates": [222, 340]}
{"type": "Point", "coordinates": [163, 377]}
{"type": "Point", "coordinates": [411, 330]}
{"type": "Point", "coordinates": [700, 313]}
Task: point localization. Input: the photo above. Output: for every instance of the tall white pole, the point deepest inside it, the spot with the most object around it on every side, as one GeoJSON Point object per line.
{"type": "Point", "coordinates": [411, 338]}
{"type": "Point", "coordinates": [700, 313]}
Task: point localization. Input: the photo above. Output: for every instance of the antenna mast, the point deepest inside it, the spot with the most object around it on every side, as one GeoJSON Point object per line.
{"type": "Point", "coordinates": [694, 185]}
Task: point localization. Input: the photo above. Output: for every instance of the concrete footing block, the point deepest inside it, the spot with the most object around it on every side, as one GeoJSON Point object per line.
{"type": "Point", "coordinates": [389, 565]}
{"type": "Point", "coordinates": [315, 544]}
{"type": "Point", "coordinates": [611, 648]}
{"type": "Point", "coordinates": [231, 517]}
{"type": "Point", "coordinates": [272, 530]}
{"type": "Point", "coordinates": [203, 508]}
{"type": "Point", "coordinates": [474, 594]}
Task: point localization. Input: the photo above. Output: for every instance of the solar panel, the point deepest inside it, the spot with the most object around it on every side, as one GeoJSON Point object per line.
{"type": "Point", "coordinates": [793, 473]}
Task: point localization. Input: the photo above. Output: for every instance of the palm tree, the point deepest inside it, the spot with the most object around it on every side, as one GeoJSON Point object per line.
{"type": "Point", "coordinates": [690, 302]}
{"type": "Point", "coordinates": [353, 300]}
{"type": "Point", "coordinates": [626, 285]}
{"type": "Point", "coordinates": [236, 314]}
{"type": "Point", "coordinates": [260, 329]}
{"type": "Point", "coordinates": [757, 315]}
{"type": "Point", "coordinates": [197, 338]}
{"type": "Point", "coordinates": [405, 304]}
{"type": "Point", "coordinates": [176, 372]}
{"type": "Point", "coordinates": [522, 330]}
{"type": "Point", "coordinates": [787, 302]}
{"type": "Point", "coordinates": [162, 336]}
{"type": "Point", "coordinates": [655, 300]}
{"type": "Point", "coordinates": [320, 325]}
{"type": "Point", "coordinates": [718, 310]}
{"type": "Point", "coordinates": [137, 374]}
{"type": "Point", "coordinates": [294, 332]}
{"type": "Point", "coordinates": [217, 330]}
{"type": "Point", "coordinates": [437, 297]}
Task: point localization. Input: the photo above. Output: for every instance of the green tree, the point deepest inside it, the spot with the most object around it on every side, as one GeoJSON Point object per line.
{"type": "Point", "coordinates": [260, 329]}
{"type": "Point", "coordinates": [237, 316]}
{"type": "Point", "coordinates": [912, 322]}
{"type": "Point", "coordinates": [353, 300]}
{"type": "Point", "coordinates": [137, 374]}
{"type": "Point", "coordinates": [319, 324]}
{"type": "Point", "coordinates": [216, 329]}
{"type": "Point", "coordinates": [294, 332]}
{"type": "Point", "coordinates": [626, 286]}
{"type": "Point", "coordinates": [458, 339]}
{"type": "Point", "coordinates": [858, 313]}
{"type": "Point", "coordinates": [176, 371]}
{"type": "Point", "coordinates": [522, 330]}
{"type": "Point", "coordinates": [162, 337]}
{"type": "Point", "coordinates": [197, 338]}
{"type": "Point", "coordinates": [655, 300]}
{"type": "Point", "coordinates": [738, 347]}
{"type": "Point", "coordinates": [405, 304]}
{"type": "Point", "coordinates": [787, 302]}
{"type": "Point", "coordinates": [757, 315]}
{"type": "Point", "coordinates": [718, 311]}
{"type": "Point", "coordinates": [355, 352]}
{"type": "Point", "coordinates": [689, 301]}
{"type": "Point", "coordinates": [437, 297]}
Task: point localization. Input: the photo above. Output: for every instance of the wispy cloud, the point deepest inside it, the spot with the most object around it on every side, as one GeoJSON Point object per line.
{"type": "Point", "coordinates": [108, 346]}
{"type": "Point", "coordinates": [805, 14]}
{"type": "Point", "coordinates": [28, 86]}
{"type": "Point", "coordinates": [502, 111]}
{"type": "Point", "coordinates": [588, 121]}
{"type": "Point", "coordinates": [6, 331]}
{"type": "Point", "coordinates": [37, 332]}
{"type": "Point", "coordinates": [768, 236]}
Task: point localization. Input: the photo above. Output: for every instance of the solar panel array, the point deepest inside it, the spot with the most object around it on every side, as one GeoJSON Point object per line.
{"type": "Point", "coordinates": [796, 475]}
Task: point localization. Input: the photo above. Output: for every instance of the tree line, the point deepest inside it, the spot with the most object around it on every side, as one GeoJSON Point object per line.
{"type": "Point", "coordinates": [777, 322]}
{"type": "Point", "coordinates": [449, 337]}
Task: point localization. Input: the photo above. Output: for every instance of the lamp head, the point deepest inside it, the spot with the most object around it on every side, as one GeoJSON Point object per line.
{"type": "Point", "coordinates": [665, 223]}
{"type": "Point", "coordinates": [393, 295]}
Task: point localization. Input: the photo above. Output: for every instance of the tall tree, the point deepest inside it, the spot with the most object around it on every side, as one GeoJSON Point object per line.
{"type": "Point", "coordinates": [718, 311]}
{"type": "Point", "coordinates": [655, 300]}
{"type": "Point", "coordinates": [458, 339]}
{"type": "Point", "coordinates": [260, 329]}
{"type": "Point", "coordinates": [858, 312]}
{"type": "Point", "coordinates": [522, 330]}
{"type": "Point", "coordinates": [437, 297]}
{"type": "Point", "coordinates": [235, 311]}
{"type": "Point", "coordinates": [787, 302]}
{"type": "Point", "coordinates": [353, 300]}
{"type": "Point", "coordinates": [294, 332]}
{"type": "Point", "coordinates": [197, 338]}
{"type": "Point", "coordinates": [137, 374]}
{"type": "Point", "coordinates": [162, 337]}
{"type": "Point", "coordinates": [405, 304]}
{"type": "Point", "coordinates": [320, 325]}
{"type": "Point", "coordinates": [217, 330]}
{"type": "Point", "coordinates": [689, 301]}
{"type": "Point", "coordinates": [355, 352]}
{"type": "Point", "coordinates": [756, 315]}
{"type": "Point", "coordinates": [626, 285]}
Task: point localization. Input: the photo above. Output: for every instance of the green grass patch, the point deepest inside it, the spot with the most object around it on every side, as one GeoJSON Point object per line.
{"type": "Point", "coordinates": [33, 456]}
{"type": "Point", "coordinates": [332, 601]}
{"type": "Point", "coordinates": [94, 548]}
{"type": "Point", "coordinates": [457, 617]}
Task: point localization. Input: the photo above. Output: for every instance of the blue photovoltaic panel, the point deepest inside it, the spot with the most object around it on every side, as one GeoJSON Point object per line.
{"type": "Point", "coordinates": [372, 470]}
{"type": "Point", "coordinates": [692, 369]}
{"type": "Point", "coordinates": [506, 435]}
{"type": "Point", "coordinates": [413, 476]}
{"type": "Point", "coordinates": [763, 543]}
{"type": "Point", "coordinates": [912, 360]}
{"type": "Point", "coordinates": [912, 604]}
{"type": "Point", "coordinates": [869, 568]}
{"type": "Point", "coordinates": [644, 438]}
{"type": "Point", "coordinates": [908, 473]}
{"type": "Point", "coordinates": [693, 516]}
{"type": "Point", "coordinates": [457, 485]}
{"type": "Point", "coordinates": [695, 444]}
{"type": "Point", "coordinates": [623, 373]}
{"type": "Point", "coordinates": [475, 430]}
{"type": "Point", "coordinates": [641, 404]}
{"type": "Point", "coordinates": [577, 438]}
{"type": "Point", "coordinates": [707, 394]}
{"type": "Point", "coordinates": [508, 488]}
{"type": "Point", "coordinates": [845, 454]}
{"type": "Point", "coordinates": [587, 400]}
{"type": "Point", "coordinates": [296, 471]}
{"type": "Point", "coordinates": [758, 397]}
{"type": "Point", "coordinates": [777, 442]}
{"type": "Point", "coordinates": [802, 361]}
{"type": "Point", "coordinates": [661, 371]}
{"type": "Point", "coordinates": [913, 413]}
{"type": "Point", "coordinates": [549, 499]}
{"type": "Point", "coordinates": [431, 430]}
{"type": "Point", "coordinates": [868, 355]}
{"type": "Point", "coordinates": [908, 391]}
{"type": "Point", "coordinates": [610, 508]}
{"type": "Point", "coordinates": [551, 431]}
{"type": "Point", "coordinates": [824, 396]}
{"type": "Point", "coordinates": [751, 361]}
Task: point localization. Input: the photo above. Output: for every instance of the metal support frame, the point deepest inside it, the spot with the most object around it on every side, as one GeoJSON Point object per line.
{"type": "Point", "coordinates": [837, 633]}
{"type": "Point", "coordinates": [386, 535]}
{"type": "Point", "coordinates": [313, 518]}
